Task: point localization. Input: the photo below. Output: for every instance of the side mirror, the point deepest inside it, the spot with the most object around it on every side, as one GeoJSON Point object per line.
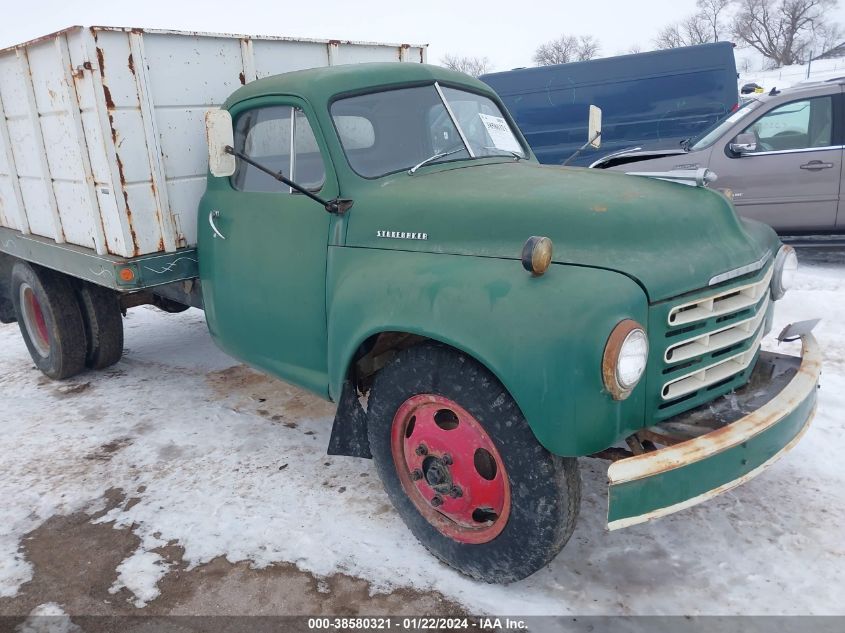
{"type": "Point", "coordinates": [220, 135]}
{"type": "Point", "coordinates": [744, 143]}
{"type": "Point", "coordinates": [594, 133]}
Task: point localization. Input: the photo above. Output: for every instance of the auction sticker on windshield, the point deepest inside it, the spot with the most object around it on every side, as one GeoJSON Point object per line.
{"type": "Point", "coordinates": [500, 133]}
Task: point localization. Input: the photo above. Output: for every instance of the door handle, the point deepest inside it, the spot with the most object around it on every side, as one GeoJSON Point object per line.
{"type": "Point", "coordinates": [815, 165]}
{"type": "Point", "coordinates": [211, 216]}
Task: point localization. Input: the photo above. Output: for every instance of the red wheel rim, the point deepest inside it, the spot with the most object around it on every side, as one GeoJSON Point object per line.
{"type": "Point", "coordinates": [34, 320]}
{"type": "Point", "coordinates": [450, 469]}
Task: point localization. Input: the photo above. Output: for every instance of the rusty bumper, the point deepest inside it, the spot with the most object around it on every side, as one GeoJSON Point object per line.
{"type": "Point", "coordinates": [720, 445]}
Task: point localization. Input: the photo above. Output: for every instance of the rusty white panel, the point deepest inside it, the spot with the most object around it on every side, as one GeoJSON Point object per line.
{"type": "Point", "coordinates": [106, 193]}
{"type": "Point", "coordinates": [274, 57]}
{"type": "Point", "coordinates": [112, 51]}
{"type": "Point", "coordinates": [188, 71]}
{"type": "Point", "coordinates": [357, 53]}
{"type": "Point", "coordinates": [11, 202]}
{"type": "Point", "coordinates": [185, 195]}
{"type": "Point", "coordinates": [86, 75]}
{"type": "Point", "coordinates": [105, 146]}
{"type": "Point", "coordinates": [146, 223]}
{"type": "Point", "coordinates": [25, 151]}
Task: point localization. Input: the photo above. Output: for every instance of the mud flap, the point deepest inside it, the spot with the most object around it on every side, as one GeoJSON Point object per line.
{"type": "Point", "coordinates": [349, 431]}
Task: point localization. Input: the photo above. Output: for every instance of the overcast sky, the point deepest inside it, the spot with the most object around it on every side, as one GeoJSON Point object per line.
{"type": "Point", "coordinates": [505, 31]}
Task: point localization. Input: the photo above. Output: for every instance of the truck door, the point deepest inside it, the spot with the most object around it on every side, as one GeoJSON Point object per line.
{"type": "Point", "coordinates": [791, 180]}
{"type": "Point", "coordinates": [263, 246]}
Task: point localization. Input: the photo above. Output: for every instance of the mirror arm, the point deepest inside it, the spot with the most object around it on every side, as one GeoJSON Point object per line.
{"type": "Point", "coordinates": [581, 149]}
{"type": "Point", "coordinates": [338, 205]}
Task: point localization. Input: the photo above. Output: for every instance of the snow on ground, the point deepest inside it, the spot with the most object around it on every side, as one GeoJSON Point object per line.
{"type": "Point", "coordinates": [786, 76]}
{"type": "Point", "coordinates": [222, 461]}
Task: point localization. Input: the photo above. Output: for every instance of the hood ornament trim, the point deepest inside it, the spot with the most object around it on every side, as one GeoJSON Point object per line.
{"type": "Point", "coordinates": [742, 270]}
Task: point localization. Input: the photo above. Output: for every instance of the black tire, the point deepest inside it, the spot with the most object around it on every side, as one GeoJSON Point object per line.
{"type": "Point", "coordinates": [545, 490]}
{"type": "Point", "coordinates": [57, 340]}
{"type": "Point", "coordinates": [103, 325]}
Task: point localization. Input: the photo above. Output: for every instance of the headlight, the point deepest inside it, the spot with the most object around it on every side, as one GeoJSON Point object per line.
{"type": "Point", "coordinates": [625, 357]}
{"type": "Point", "coordinates": [783, 276]}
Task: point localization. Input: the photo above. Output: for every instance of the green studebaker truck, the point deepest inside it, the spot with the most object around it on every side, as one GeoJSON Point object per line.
{"type": "Point", "coordinates": [381, 235]}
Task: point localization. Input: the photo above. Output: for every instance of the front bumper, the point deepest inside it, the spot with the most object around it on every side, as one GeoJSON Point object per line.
{"type": "Point", "coordinates": [720, 445]}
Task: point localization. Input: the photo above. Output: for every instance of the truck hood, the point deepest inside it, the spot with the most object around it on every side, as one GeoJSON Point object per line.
{"type": "Point", "coordinates": [671, 238]}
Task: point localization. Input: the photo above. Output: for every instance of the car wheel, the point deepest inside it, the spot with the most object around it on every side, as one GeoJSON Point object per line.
{"type": "Point", "coordinates": [50, 320]}
{"type": "Point", "coordinates": [463, 468]}
{"type": "Point", "coordinates": [103, 325]}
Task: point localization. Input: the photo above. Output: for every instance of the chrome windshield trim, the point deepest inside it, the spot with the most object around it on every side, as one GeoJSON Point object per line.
{"type": "Point", "coordinates": [739, 272]}
{"type": "Point", "coordinates": [454, 119]}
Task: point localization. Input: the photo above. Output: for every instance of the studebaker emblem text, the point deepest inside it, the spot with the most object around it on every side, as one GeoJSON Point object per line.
{"type": "Point", "coordinates": [402, 235]}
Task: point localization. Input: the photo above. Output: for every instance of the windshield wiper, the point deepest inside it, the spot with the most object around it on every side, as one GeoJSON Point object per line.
{"type": "Point", "coordinates": [516, 155]}
{"type": "Point", "coordinates": [435, 157]}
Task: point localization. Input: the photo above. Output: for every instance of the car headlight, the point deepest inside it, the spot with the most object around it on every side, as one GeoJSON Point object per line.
{"type": "Point", "coordinates": [625, 357]}
{"type": "Point", "coordinates": [783, 276]}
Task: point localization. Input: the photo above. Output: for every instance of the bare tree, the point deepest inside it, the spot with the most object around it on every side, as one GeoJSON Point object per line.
{"type": "Point", "coordinates": [713, 12]}
{"type": "Point", "coordinates": [785, 31]}
{"type": "Point", "coordinates": [704, 26]}
{"type": "Point", "coordinates": [688, 32]}
{"type": "Point", "coordinates": [474, 66]}
{"type": "Point", "coordinates": [567, 48]}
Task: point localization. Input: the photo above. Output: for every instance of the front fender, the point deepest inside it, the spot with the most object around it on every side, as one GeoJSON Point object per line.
{"type": "Point", "coordinates": [543, 337]}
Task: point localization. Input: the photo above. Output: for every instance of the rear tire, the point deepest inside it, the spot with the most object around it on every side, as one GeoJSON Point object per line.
{"type": "Point", "coordinates": [463, 468]}
{"type": "Point", "coordinates": [50, 320]}
{"type": "Point", "coordinates": [103, 325]}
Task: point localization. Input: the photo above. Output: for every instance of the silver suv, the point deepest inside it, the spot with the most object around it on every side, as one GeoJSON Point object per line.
{"type": "Point", "coordinates": [779, 154]}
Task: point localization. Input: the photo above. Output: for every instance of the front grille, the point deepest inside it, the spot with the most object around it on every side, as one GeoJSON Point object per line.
{"type": "Point", "coordinates": [710, 342]}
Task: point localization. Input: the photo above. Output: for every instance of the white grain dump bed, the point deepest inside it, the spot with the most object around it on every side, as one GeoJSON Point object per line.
{"type": "Point", "coordinates": [102, 140]}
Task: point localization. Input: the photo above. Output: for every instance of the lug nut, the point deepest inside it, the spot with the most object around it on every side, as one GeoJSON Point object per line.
{"type": "Point", "coordinates": [422, 450]}
{"type": "Point", "coordinates": [437, 501]}
{"type": "Point", "coordinates": [416, 475]}
{"type": "Point", "coordinates": [456, 492]}
{"type": "Point", "coordinates": [446, 459]}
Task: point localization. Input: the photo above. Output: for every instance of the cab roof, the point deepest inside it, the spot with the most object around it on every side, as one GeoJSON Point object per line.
{"type": "Point", "coordinates": [318, 85]}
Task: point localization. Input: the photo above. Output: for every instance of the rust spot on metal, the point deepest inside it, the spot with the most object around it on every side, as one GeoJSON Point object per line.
{"type": "Point", "coordinates": [161, 244]}
{"type": "Point", "coordinates": [611, 354]}
{"type": "Point", "coordinates": [38, 40]}
{"type": "Point", "coordinates": [334, 42]}
{"type": "Point", "coordinates": [131, 64]}
{"type": "Point", "coordinates": [100, 62]}
{"type": "Point", "coordinates": [87, 66]}
{"type": "Point", "coordinates": [242, 77]}
{"type": "Point", "coordinates": [120, 169]}
{"type": "Point", "coordinates": [109, 101]}
{"type": "Point", "coordinates": [113, 129]}
{"type": "Point", "coordinates": [734, 433]}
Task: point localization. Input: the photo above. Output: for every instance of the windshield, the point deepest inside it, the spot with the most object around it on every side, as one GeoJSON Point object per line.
{"type": "Point", "coordinates": [707, 138]}
{"type": "Point", "coordinates": [394, 130]}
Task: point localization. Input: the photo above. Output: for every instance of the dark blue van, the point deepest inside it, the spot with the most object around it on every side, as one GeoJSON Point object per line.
{"type": "Point", "coordinates": [651, 100]}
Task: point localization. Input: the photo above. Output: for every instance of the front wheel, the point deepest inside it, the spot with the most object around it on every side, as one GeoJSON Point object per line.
{"type": "Point", "coordinates": [463, 468]}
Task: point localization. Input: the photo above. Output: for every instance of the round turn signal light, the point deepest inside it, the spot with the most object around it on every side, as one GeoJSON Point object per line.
{"type": "Point", "coordinates": [537, 254]}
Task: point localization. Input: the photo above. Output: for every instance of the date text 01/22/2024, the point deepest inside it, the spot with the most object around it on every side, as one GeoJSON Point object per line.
{"type": "Point", "coordinates": [416, 624]}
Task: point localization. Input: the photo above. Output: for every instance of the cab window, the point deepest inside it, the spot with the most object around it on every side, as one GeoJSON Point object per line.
{"type": "Point", "coordinates": [278, 137]}
{"type": "Point", "coordinates": [797, 125]}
